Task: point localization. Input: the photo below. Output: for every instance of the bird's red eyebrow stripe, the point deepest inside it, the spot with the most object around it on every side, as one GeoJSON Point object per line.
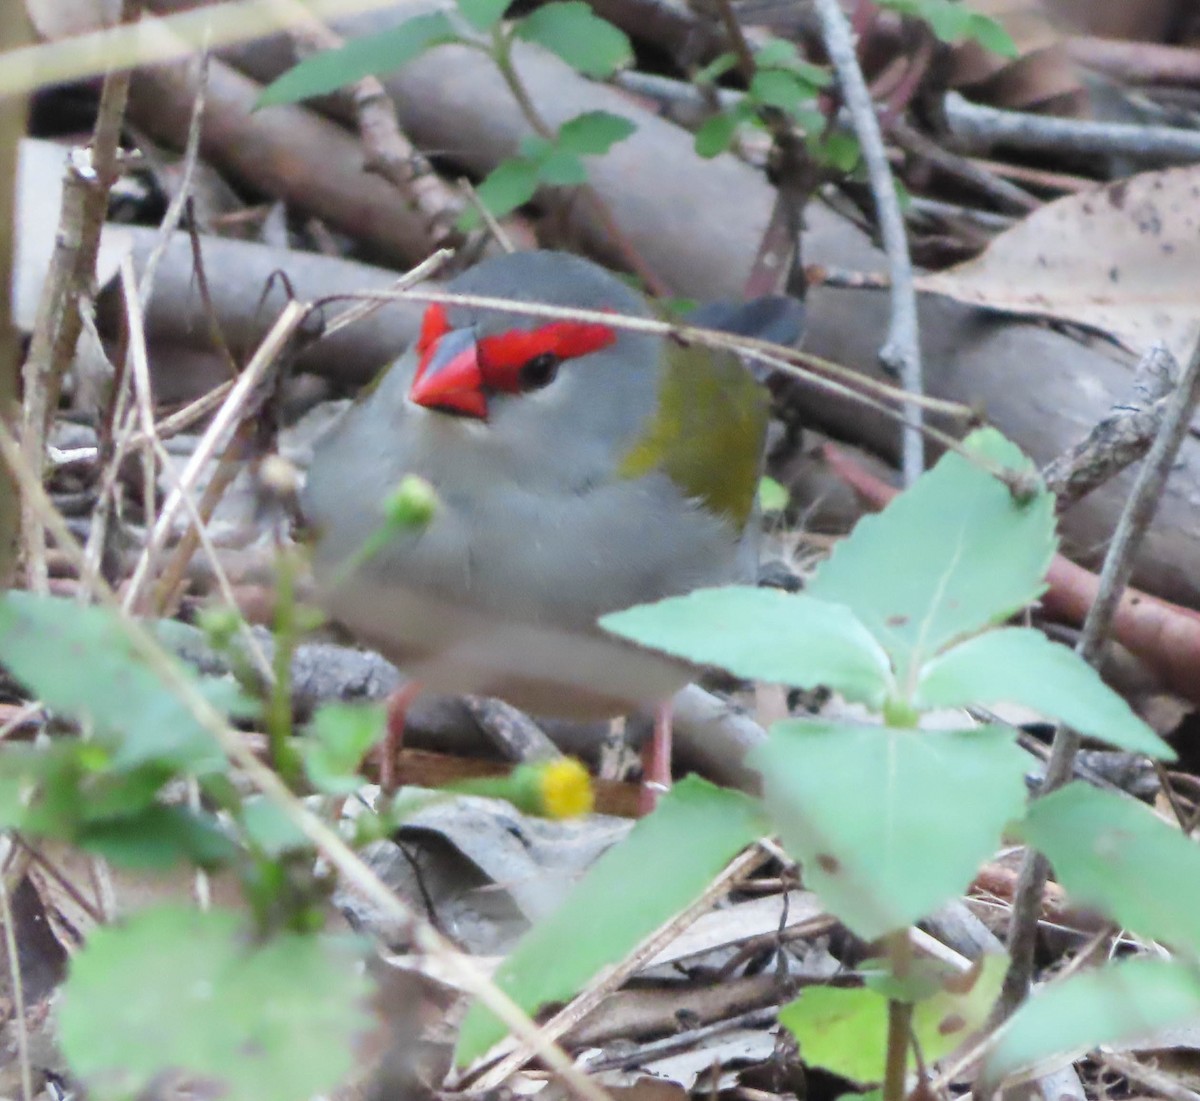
{"type": "Point", "coordinates": [434, 326]}
{"type": "Point", "coordinates": [565, 339]}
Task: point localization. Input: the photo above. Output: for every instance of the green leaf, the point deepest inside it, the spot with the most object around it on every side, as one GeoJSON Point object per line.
{"type": "Point", "coordinates": [510, 184]}
{"type": "Point", "coordinates": [779, 88]}
{"type": "Point", "coordinates": [335, 743]}
{"type": "Point", "coordinates": [695, 830]}
{"type": "Point", "coordinates": [375, 55]}
{"type": "Point", "coordinates": [845, 1030]}
{"type": "Point", "coordinates": [1115, 854]}
{"type": "Point", "coordinates": [972, 555]}
{"type": "Point", "coordinates": [561, 169]}
{"type": "Point", "coordinates": [1021, 665]}
{"type": "Point", "coordinates": [716, 134]}
{"type": "Point", "coordinates": [593, 132]}
{"type": "Point", "coordinates": [992, 36]}
{"type": "Point", "coordinates": [838, 150]}
{"type": "Point", "coordinates": [1119, 1002]}
{"type": "Point", "coordinates": [715, 69]}
{"type": "Point", "coordinates": [268, 827]}
{"type": "Point", "coordinates": [764, 634]}
{"type": "Point", "coordinates": [889, 823]}
{"type": "Point", "coordinates": [581, 38]}
{"type": "Point", "coordinates": [483, 14]}
{"type": "Point", "coordinates": [158, 838]}
{"type": "Point", "coordinates": [79, 661]}
{"type": "Point", "coordinates": [177, 989]}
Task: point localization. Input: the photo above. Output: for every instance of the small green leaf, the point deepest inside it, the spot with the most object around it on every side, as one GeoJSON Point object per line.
{"type": "Point", "coordinates": [992, 36]}
{"type": "Point", "coordinates": [715, 69]}
{"type": "Point", "coordinates": [889, 823]}
{"type": "Point", "coordinates": [562, 169]}
{"type": "Point", "coordinates": [375, 55]}
{"type": "Point", "coordinates": [838, 150]}
{"type": "Point", "coordinates": [483, 14]}
{"type": "Point", "coordinates": [779, 88]}
{"type": "Point", "coordinates": [845, 1030]}
{"type": "Point", "coordinates": [716, 134]}
{"type": "Point", "coordinates": [581, 38]}
{"type": "Point", "coordinates": [510, 184]}
{"type": "Point", "coordinates": [973, 555]}
{"type": "Point", "coordinates": [336, 741]}
{"type": "Point", "coordinates": [1119, 1002]}
{"type": "Point", "coordinates": [1117, 855]}
{"type": "Point", "coordinates": [765, 634]}
{"type": "Point", "coordinates": [593, 132]}
{"type": "Point", "coordinates": [695, 830]}
{"type": "Point", "coordinates": [177, 989]}
{"type": "Point", "coordinates": [1021, 665]}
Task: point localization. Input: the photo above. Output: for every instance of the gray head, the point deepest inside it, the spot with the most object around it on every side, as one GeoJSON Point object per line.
{"type": "Point", "coordinates": [555, 400]}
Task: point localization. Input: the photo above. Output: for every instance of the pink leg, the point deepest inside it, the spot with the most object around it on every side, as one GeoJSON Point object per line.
{"type": "Point", "coordinates": [656, 759]}
{"type": "Point", "coordinates": [398, 704]}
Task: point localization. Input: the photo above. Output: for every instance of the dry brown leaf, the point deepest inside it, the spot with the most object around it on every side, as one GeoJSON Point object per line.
{"type": "Point", "coordinates": [1124, 259]}
{"type": "Point", "coordinates": [1041, 78]}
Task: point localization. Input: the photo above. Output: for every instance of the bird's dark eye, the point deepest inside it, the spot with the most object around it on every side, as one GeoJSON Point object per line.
{"type": "Point", "coordinates": [539, 371]}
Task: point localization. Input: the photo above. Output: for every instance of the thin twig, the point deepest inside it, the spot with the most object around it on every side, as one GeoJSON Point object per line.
{"type": "Point", "coordinates": [263, 361]}
{"type": "Point", "coordinates": [325, 838]}
{"type": "Point", "coordinates": [1118, 565]}
{"type": "Point", "coordinates": [584, 1003]}
{"type": "Point", "coordinates": [901, 351]}
{"type": "Point", "coordinates": [981, 128]}
{"type": "Point", "coordinates": [17, 985]}
{"type": "Point", "coordinates": [68, 289]}
{"type": "Point", "coordinates": [140, 374]}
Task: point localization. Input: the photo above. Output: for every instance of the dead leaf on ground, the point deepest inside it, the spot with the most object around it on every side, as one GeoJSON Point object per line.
{"type": "Point", "coordinates": [1124, 259]}
{"type": "Point", "coordinates": [1042, 77]}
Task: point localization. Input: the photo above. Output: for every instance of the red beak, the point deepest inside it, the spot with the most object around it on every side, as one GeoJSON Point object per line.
{"type": "Point", "coordinates": [449, 377]}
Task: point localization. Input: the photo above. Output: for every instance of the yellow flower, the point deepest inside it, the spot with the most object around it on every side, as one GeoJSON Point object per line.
{"type": "Point", "coordinates": [565, 788]}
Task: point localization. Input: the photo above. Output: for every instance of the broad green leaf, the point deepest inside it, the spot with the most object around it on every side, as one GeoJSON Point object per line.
{"type": "Point", "coordinates": [845, 1030]}
{"type": "Point", "coordinates": [953, 554]}
{"type": "Point", "coordinates": [79, 661]}
{"type": "Point", "coordinates": [888, 822]}
{"type": "Point", "coordinates": [1117, 855]}
{"type": "Point", "coordinates": [561, 169]}
{"type": "Point", "coordinates": [335, 743]}
{"type": "Point", "coordinates": [375, 55]}
{"type": "Point", "coordinates": [1112, 1004]}
{"type": "Point", "coordinates": [483, 14]}
{"type": "Point", "coordinates": [695, 830]}
{"type": "Point", "coordinates": [1021, 665]}
{"type": "Point", "coordinates": [593, 132]}
{"type": "Point", "coordinates": [839, 149]}
{"type": "Point", "coordinates": [581, 38]}
{"type": "Point", "coordinates": [764, 634]}
{"type": "Point", "coordinates": [510, 184]}
{"type": "Point", "coordinates": [177, 989]}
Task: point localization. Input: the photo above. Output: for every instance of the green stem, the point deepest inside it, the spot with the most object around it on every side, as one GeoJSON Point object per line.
{"type": "Point", "coordinates": [899, 1037]}
{"type": "Point", "coordinates": [279, 703]}
{"type": "Point", "coordinates": [502, 56]}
